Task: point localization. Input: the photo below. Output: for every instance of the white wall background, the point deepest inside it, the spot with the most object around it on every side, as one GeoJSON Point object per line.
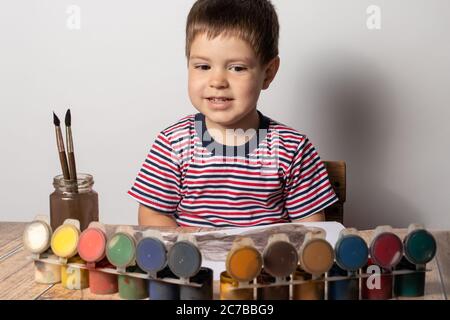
{"type": "Point", "coordinates": [378, 99]}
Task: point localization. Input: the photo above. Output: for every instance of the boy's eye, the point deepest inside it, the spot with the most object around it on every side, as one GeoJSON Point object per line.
{"type": "Point", "coordinates": [202, 67]}
{"type": "Point", "coordinates": [238, 68]}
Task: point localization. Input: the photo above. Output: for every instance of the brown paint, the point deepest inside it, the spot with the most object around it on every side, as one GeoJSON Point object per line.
{"type": "Point", "coordinates": [317, 256]}
{"type": "Point", "coordinates": [280, 259]}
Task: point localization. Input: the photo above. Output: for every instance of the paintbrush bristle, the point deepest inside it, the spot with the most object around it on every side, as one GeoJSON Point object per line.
{"type": "Point", "coordinates": [68, 118]}
{"type": "Point", "coordinates": [55, 120]}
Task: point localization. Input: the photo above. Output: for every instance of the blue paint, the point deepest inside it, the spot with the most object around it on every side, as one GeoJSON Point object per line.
{"type": "Point", "coordinates": [342, 289]}
{"type": "Point", "coordinates": [351, 252]}
{"type": "Point", "coordinates": [151, 254]}
{"type": "Point", "coordinates": [159, 290]}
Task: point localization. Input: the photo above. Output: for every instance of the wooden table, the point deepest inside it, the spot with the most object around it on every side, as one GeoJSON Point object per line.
{"type": "Point", "coordinates": [17, 270]}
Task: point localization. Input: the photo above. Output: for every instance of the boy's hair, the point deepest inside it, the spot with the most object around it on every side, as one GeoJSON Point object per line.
{"type": "Point", "coordinates": [254, 21]}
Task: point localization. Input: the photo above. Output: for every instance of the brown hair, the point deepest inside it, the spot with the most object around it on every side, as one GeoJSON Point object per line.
{"type": "Point", "coordinates": [254, 21]}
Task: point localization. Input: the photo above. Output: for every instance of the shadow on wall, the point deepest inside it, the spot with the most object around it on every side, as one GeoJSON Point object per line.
{"type": "Point", "coordinates": [353, 101]}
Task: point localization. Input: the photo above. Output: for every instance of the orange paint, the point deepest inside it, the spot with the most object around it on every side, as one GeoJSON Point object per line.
{"type": "Point", "coordinates": [244, 263]}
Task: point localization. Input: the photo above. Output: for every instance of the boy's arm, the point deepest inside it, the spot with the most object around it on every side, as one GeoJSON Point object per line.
{"type": "Point", "coordinates": [319, 216]}
{"type": "Point", "coordinates": [153, 218]}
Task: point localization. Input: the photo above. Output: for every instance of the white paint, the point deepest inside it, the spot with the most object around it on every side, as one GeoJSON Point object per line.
{"type": "Point", "coordinates": [36, 237]}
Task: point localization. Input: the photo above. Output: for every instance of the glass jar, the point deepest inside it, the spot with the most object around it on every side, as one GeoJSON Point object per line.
{"type": "Point", "coordinates": [73, 200]}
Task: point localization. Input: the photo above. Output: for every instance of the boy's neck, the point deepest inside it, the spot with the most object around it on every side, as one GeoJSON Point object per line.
{"type": "Point", "coordinates": [227, 134]}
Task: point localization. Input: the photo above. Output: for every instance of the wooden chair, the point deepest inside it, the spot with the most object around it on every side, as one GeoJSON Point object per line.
{"type": "Point", "coordinates": [336, 173]}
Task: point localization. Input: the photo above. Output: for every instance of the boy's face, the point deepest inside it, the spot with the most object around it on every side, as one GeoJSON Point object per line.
{"type": "Point", "coordinates": [228, 69]}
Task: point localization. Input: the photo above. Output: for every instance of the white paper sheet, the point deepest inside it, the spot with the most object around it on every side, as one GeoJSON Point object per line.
{"type": "Point", "coordinates": [331, 228]}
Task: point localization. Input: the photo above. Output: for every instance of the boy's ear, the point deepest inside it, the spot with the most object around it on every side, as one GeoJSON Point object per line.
{"type": "Point", "coordinates": [271, 71]}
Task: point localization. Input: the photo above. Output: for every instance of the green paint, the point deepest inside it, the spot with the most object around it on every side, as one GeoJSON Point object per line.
{"type": "Point", "coordinates": [121, 250]}
{"type": "Point", "coordinates": [409, 285]}
{"type": "Point", "coordinates": [420, 247]}
{"type": "Point", "coordinates": [131, 288]}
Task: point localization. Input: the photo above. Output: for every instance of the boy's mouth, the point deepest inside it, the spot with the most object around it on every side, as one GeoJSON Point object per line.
{"type": "Point", "coordinates": [219, 99]}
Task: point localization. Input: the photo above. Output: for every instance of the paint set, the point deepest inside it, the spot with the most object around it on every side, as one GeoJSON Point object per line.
{"type": "Point", "coordinates": [117, 262]}
{"type": "Point", "coordinates": [141, 265]}
{"type": "Point", "coordinates": [352, 270]}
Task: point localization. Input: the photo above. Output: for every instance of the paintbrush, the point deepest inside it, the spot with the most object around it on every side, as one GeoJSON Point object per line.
{"type": "Point", "coordinates": [61, 150]}
{"type": "Point", "coordinates": [70, 151]}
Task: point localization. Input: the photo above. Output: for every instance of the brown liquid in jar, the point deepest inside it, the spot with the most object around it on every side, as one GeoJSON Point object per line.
{"type": "Point", "coordinates": [67, 203]}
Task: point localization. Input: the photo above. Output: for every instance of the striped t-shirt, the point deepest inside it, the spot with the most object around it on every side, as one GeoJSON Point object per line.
{"type": "Point", "coordinates": [277, 176]}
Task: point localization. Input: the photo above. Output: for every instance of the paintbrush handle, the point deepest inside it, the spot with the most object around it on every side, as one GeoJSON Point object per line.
{"type": "Point", "coordinates": [65, 168]}
{"type": "Point", "coordinates": [62, 153]}
{"type": "Point", "coordinates": [72, 169]}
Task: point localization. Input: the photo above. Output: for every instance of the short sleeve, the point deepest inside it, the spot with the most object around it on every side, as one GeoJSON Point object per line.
{"type": "Point", "coordinates": [308, 189]}
{"type": "Point", "coordinates": [158, 182]}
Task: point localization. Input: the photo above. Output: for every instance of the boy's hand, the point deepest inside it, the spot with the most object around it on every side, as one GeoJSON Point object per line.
{"type": "Point", "coordinates": [153, 218]}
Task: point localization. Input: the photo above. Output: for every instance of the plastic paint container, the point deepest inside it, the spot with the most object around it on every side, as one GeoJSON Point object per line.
{"type": "Point", "coordinates": [420, 245]}
{"type": "Point", "coordinates": [228, 289]}
{"type": "Point", "coordinates": [102, 282]}
{"type": "Point", "coordinates": [37, 236]}
{"type": "Point", "coordinates": [386, 248]}
{"type": "Point", "coordinates": [184, 259]}
{"type": "Point", "coordinates": [347, 289]}
{"type": "Point", "coordinates": [132, 288]}
{"type": "Point", "coordinates": [280, 257]}
{"type": "Point", "coordinates": [351, 251]}
{"type": "Point", "coordinates": [74, 278]}
{"type": "Point", "coordinates": [47, 273]}
{"type": "Point", "coordinates": [151, 255]}
{"type": "Point", "coordinates": [316, 254]}
{"type": "Point", "coordinates": [279, 292]}
{"type": "Point", "coordinates": [420, 248]}
{"type": "Point", "coordinates": [205, 292]}
{"type": "Point", "coordinates": [379, 285]}
{"type": "Point", "coordinates": [159, 290]}
{"type": "Point", "coordinates": [351, 255]}
{"type": "Point", "coordinates": [409, 285]}
{"type": "Point", "coordinates": [243, 262]}
{"type": "Point", "coordinates": [92, 244]}
{"type": "Point", "coordinates": [316, 258]}
{"type": "Point", "coordinates": [313, 290]}
{"type": "Point", "coordinates": [65, 240]}
{"type": "Point", "coordinates": [120, 250]}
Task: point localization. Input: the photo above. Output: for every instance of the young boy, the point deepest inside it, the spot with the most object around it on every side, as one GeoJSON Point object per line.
{"type": "Point", "coordinates": [229, 165]}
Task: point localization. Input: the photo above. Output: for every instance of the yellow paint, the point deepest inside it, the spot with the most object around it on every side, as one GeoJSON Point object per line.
{"type": "Point", "coordinates": [74, 278]}
{"type": "Point", "coordinates": [65, 241]}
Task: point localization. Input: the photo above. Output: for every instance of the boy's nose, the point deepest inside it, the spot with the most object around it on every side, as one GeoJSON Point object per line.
{"type": "Point", "coordinates": [218, 80]}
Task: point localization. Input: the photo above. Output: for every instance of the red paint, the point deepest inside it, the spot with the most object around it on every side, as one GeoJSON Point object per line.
{"type": "Point", "coordinates": [386, 250]}
{"type": "Point", "coordinates": [102, 282]}
{"type": "Point", "coordinates": [92, 244]}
